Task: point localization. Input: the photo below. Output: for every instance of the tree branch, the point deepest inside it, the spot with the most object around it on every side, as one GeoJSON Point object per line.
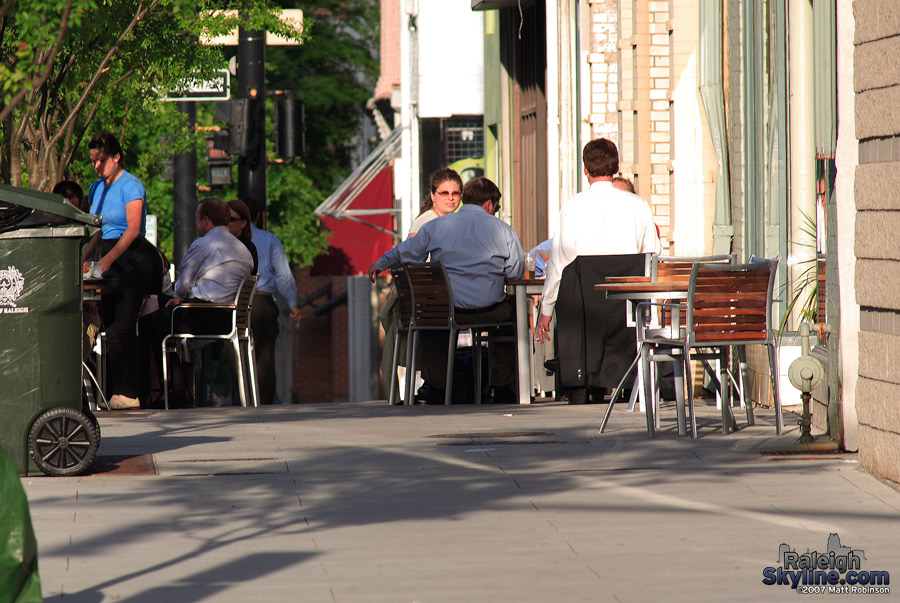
{"type": "Point", "coordinates": [101, 69]}
{"type": "Point", "coordinates": [48, 65]}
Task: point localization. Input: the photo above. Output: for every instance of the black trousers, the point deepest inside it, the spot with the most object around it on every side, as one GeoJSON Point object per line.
{"type": "Point", "coordinates": [503, 353]}
{"type": "Point", "coordinates": [264, 322]}
{"type": "Point", "coordinates": [135, 274]}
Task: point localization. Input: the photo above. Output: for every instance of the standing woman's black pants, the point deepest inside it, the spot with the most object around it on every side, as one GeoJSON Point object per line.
{"type": "Point", "coordinates": [136, 273]}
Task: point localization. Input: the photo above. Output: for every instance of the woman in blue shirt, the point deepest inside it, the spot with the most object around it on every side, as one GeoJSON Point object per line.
{"type": "Point", "coordinates": [128, 262]}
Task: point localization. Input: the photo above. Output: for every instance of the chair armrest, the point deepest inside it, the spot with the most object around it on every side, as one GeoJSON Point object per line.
{"type": "Point", "coordinates": [203, 305]}
{"type": "Point", "coordinates": [196, 306]}
{"type": "Point", "coordinates": [643, 312]}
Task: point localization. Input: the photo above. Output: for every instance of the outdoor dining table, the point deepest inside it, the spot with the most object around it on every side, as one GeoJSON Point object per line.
{"type": "Point", "coordinates": [522, 288]}
{"type": "Point", "coordinates": [636, 289]}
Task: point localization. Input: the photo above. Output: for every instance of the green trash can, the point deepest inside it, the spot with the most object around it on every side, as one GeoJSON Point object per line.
{"type": "Point", "coordinates": [42, 424]}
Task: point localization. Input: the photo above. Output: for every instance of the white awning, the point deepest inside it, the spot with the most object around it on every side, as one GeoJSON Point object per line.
{"type": "Point", "coordinates": [337, 205]}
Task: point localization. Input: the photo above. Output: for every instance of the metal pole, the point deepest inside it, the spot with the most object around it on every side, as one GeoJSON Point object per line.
{"type": "Point", "coordinates": [252, 86]}
{"type": "Point", "coordinates": [184, 180]}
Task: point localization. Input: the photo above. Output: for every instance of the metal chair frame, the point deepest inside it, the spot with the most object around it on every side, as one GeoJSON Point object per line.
{"type": "Point", "coordinates": [433, 309]}
{"type": "Point", "coordinates": [728, 306]}
{"type": "Point", "coordinates": [240, 336]}
{"type": "Point", "coordinates": [666, 269]}
{"type": "Point", "coordinates": [405, 304]}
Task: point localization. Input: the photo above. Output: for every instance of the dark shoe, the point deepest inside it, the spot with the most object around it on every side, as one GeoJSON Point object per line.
{"type": "Point", "coordinates": [502, 395]}
{"type": "Point", "coordinates": [552, 365]}
{"type": "Point", "coordinates": [430, 395]}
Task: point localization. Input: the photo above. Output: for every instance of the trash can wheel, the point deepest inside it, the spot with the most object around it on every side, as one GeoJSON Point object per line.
{"type": "Point", "coordinates": [63, 442]}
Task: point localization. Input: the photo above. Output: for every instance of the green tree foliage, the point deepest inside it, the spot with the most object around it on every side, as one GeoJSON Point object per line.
{"type": "Point", "coordinates": [70, 68]}
{"type": "Point", "coordinates": [334, 74]}
{"type": "Point", "coordinates": [64, 64]}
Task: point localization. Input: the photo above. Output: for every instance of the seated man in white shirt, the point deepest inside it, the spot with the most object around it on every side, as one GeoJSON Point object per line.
{"type": "Point", "coordinates": [211, 271]}
{"type": "Point", "coordinates": [214, 266]}
{"type": "Point", "coordinates": [217, 262]}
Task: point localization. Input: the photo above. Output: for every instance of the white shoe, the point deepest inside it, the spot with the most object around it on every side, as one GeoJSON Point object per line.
{"type": "Point", "coordinates": [120, 402]}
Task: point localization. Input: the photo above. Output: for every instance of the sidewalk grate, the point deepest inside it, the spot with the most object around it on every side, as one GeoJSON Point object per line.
{"type": "Point", "coordinates": [495, 438]}
{"type": "Point", "coordinates": [492, 434]}
{"type": "Point", "coordinates": [141, 464]}
{"type": "Point", "coordinates": [500, 443]}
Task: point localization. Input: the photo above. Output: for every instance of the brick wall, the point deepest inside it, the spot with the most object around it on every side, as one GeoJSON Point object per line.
{"type": "Point", "coordinates": [604, 69]}
{"type": "Point", "coordinates": [320, 356]}
{"type": "Point", "coordinates": [630, 60]}
{"type": "Point", "coordinates": [389, 49]}
{"type": "Point", "coordinates": [877, 85]}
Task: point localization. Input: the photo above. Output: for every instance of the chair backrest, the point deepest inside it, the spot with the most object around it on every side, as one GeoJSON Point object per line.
{"type": "Point", "coordinates": [404, 295]}
{"type": "Point", "coordinates": [731, 303]}
{"type": "Point", "coordinates": [678, 268]}
{"type": "Point", "coordinates": [674, 269]}
{"type": "Point", "coordinates": [243, 301]}
{"type": "Point", "coordinates": [432, 297]}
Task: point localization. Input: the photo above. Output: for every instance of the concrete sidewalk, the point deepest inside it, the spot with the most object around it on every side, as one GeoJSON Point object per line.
{"type": "Point", "coordinates": [366, 502]}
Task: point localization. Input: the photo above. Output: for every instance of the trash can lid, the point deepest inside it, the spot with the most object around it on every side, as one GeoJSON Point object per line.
{"type": "Point", "coordinates": [24, 208]}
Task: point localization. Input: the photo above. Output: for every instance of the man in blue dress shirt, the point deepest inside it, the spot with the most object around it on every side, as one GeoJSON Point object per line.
{"type": "Point", "coordinates": [274, 275]}
{"type": "Point", "coordinates": [479, 252]}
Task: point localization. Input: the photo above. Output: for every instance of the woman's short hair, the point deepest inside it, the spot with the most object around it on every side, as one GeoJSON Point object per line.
{"type": "Point", "coordinates": [241, 209]}
{"type": "Point", "coordinates": [480, 190]}
{"type": "Point", "coordinates": [110, 145]}
{"type": "Point", "coordinates": [214, 209]}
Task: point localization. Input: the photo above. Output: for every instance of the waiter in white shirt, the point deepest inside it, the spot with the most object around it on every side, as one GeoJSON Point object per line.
{"type": "Point", "coordinates": [602, 220]}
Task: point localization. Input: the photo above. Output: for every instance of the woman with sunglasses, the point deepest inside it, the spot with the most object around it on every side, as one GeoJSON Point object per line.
{"type": "Point", "coordinates": [239, 226]}
{"type": "Point", "coordinates": [446, 190]}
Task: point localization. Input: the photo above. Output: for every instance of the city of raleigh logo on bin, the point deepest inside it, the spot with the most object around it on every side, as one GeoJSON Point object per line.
{"type": "Point", "coordinates": [12, 283]}
{"type": "Point", "coordinates": [837, 571]}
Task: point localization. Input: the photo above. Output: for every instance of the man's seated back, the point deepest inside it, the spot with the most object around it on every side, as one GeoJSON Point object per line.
{"type": "Point", "coordinates": [217, 262]}
{"type": "Point", "coordinates": [211, 271]}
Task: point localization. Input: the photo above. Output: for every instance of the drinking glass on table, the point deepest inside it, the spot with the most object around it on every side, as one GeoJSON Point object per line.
{"type": "Point", "coordinates": [529, 265]}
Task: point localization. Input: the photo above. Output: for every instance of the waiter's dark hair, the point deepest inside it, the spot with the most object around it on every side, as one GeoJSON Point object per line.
{"type": "Point", "coordinates": [601, 158]}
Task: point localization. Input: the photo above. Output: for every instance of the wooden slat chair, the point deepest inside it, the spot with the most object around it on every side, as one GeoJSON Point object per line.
{"type": "Point", "coordinates": [665, 269]}
{"type": "Point", "coordinates": [240, 336]}
{"type": "Point", "coordinates": [727, 306]}
{"type": "Point", "coordinates": [405, 303]}
{"type": "Point", "coordinates": [433, 309]}
{"type": "Point", "coordinates": [678, 269]}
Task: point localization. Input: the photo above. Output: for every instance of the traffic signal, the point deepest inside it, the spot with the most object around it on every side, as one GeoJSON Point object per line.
{"type": "Point", "coordinates": [218, 164]}
{"type": "Point", "coordinates": [236, 139]}
{"type": "Point", "coordinates": [290, 127]}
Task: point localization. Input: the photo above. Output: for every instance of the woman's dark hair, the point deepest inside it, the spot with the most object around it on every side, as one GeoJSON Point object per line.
{"type": "Point", "coordinates": [72, 192]}
{"type": "Point", "coordinates": [437, 178]}
{"type": "Point", "coordinates": [108, 142]}
{"type": "Point", "coordinates": [241, 209]}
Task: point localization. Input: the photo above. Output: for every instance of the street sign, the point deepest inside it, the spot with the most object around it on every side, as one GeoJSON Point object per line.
{"type": "Point", "coordinates": [293, 17]}
{"type": "Point", "coordinates": [195, 89]}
